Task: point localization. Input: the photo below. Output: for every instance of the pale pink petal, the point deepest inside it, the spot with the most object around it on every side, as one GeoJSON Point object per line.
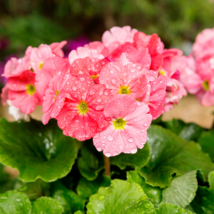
{"type": "Point", "coordinates": [56, 48]}
{"type": "Point", "coordinates": [4, 95]}
{"type": "Point", "coordinates": [39, 56]}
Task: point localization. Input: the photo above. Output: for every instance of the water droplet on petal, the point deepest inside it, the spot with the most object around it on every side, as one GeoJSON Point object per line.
{"type": "Point", "coordinates": [133, 151]}
{"type": "Point", "coordinates": [131, 140]}
{"type": "Point", "coordinates": [110, 138]}
{"type": "Point", "coordinates": [74, 88]}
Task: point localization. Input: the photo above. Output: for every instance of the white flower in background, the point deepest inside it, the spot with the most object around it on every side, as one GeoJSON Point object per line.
{"type": "Point", "coordinates": [16, 112]}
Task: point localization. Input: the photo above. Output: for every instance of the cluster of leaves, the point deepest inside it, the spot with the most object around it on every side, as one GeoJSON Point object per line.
{"type": "Point", "coordinates": [173, 173]}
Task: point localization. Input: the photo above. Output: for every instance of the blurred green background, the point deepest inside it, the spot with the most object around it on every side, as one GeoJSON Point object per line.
{"type": "Point", "coordinates": [32, 22]}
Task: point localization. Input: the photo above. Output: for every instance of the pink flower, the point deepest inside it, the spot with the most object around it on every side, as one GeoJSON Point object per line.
{"type": "Point", "coordinates": [53, 98]}
{"type": "Point", "coordinates": [199, 82]}
{"type": "Point", "coordinates": [172, 67]}
{"type": "Point", "coordinates": [203, 41]}
{"type": "Point", "coordinates": [153, 44]}
{"type": "Point", "coordinates": [127, 79]}
{"type": "Point", "coordinates": [82, 114]}
{"type": "Point", "coordinates": [117, 36]}
{"type": "Point", "coordinates": [126, 131]}
{"type": "Point", "coordinates": [22, 92]}
{"type": "Point", "coordinates": [56, 48]}
{"type": "Point", "coordinates": [87, 61]}
{"type": "Point", "coordinates": [39, 56]}
{"type": "Point", "coordinates": [52, 67]}
{"type": "Point", "coordinates": [14, 66]}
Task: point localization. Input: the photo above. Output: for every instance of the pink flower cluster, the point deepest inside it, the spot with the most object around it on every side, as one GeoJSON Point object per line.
{"type": "Point", "coordinates": [109, 91]}
{"type": "Point", "coordinates": [199, 76]}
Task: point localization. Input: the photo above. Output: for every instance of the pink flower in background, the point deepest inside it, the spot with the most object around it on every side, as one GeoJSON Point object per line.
{"type": "Point", "coordinates": [126, 131]}
{"type": "Point", "coordinates": [82, 114]}
{"type": "Point", "coordinates": [118, 36]}
{"type": "Point", "coordinates": [22, 92]}
{"type": "Point", "coordinates": [172, 68]}
{"type": "Point", "coordinates": [203, 42]}
{"type": "Point", "coordinates": [56, 48]}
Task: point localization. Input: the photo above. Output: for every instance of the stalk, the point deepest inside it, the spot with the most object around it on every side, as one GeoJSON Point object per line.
{"type": "Point", "coordinates": [107, 166]}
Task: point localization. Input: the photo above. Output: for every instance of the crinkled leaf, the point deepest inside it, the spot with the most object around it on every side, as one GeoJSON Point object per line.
{"type": "Point", "coordinates": [171, 209]}
{"type": "Point", "coordinates": [206, 141]}
{"type": "Point", "coordinates": [13, 202]}
{"type": "Point", "coordinates": [86, 188]}
{"type": "Point", "coordinates": [139, 159]}
{"type": "Point", "coordinates": [187, 131]}
{"type": "Point", "coordinates": [204, 199]}
{"type": "Point", "coordinates": [120, 197]}
{"type": "Point", "coordinates": [35, 189]}
{"type": "Point", "coordinates": [70, 201]}
{"type": "Point", "coordinates": [91, 161]}
{"type": "Point", "coordinates": [37, 151]}
{"type": "Point", "coordinates": [171, 154]}
{"type": "Point", "coordinates": [182, 190]}
{"type": "Point", "coordinates": [46, 205]}
{"type": "Point", "coordinates": [154, 193]}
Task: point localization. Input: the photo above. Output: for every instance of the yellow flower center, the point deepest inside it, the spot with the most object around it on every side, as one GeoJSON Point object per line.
{"type": "Point", "coordinates": [30, 89]}
{"type": "Point", "coordinates": [57, 93]}
{"type": "Point", "coordinates": [124, 90]}
{"type": "Point", "coordinates": [119, 123]}
{"type": "Point", "coordinates": [94, 76]}
{"type": "Point", "coordinates": [40, 65]}
{"type": "Point", "coordinates": [82, 107]}
{"type": "Point", "coordinates": [205, 85]}
{"type": "Point", "coordinates": [162, 72]}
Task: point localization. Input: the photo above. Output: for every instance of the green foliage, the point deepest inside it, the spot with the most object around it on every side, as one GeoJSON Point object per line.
{"type": "Point", "coordinates": [154, 193]}
{"type": "Point", "coordinates": [70, 201]}
{"type": "Point", "coordinates": [86, 188]}
{"type": "Point", "coordinates": [91, 162]}
{"type": "Point", "coordinates": [207, 143]}
{"type": "Point", "coordinates": [170, 154]}
{"type": "Point", "coordinates": [182, 190]}
{"type": "Point", "coordinates": [167, 176]}
{"type": "Point", "coordinates": [204, 200]}
{"type": "Point", "coordinates": [47, 205]}
{"type": "Point", "coordinates": [13, 202]}
{"type": "Point", "coordinates": [170, 208]}
{"type": "Point", "coordinates": [48, 155]}
{"type": "Point", "coordinates": [121, 197]}
{"type": "Point", "coordinates": [139, 159]}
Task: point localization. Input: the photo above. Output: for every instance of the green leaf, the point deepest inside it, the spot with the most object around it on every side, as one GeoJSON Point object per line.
{"type": "Point", "coordinates": [171, 154]}
{"type": "Point", "coordinates": [204, 200]}
{"type": "Point", "coordinates": [171, 209]}
{"type": "Point", "coordinates": [46, 205]}
{"type": "Point", "coordinates": [70, 201]}
{"type": "Point", "coordinates": [37, 151]}
{"type": "Point", "coordinates": [139, 159]}
{"type": "Point", "coordinates": [79, 212]}
{"type": "Point", "coordinates": [120, 197]}
{"type": "Point", "coordinates": [187, 131]}
{"type": "Point", "coordinates": [154, 193]}
{"type": "Point", "coordinates": [86, 188]}
{"type": "Point", "coordinates": [35, 189]}
{"type": "Point", "coordinates": [182, 190]}
{"type": "Point", "coordinates": [91, 161]}
{"type": "Point", "coordinates": [207, 143]}
{"type": "Point", "coordinates": [13, 202]}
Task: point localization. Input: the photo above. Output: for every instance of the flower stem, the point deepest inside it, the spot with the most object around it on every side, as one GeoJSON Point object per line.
{"type": "Point", "coordinates": [107, 166]}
